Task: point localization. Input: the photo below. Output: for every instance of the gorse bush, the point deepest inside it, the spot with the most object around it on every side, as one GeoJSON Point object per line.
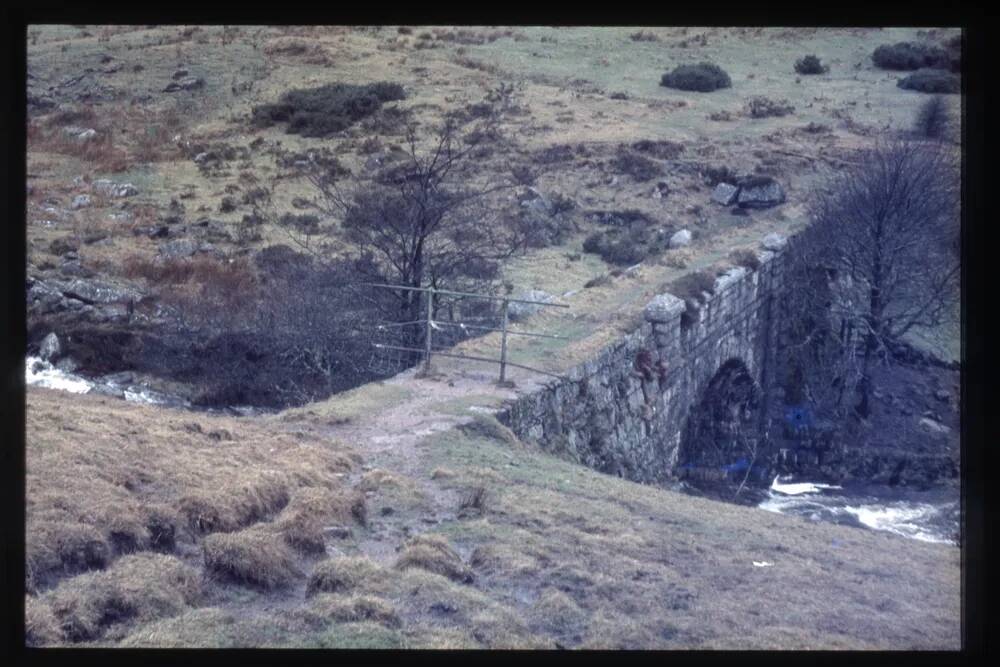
{"type": "Point", "coordinates": [637, 166]}
{"type": "Point", "coordinates": [703, 77]}
{"type": "Point", "coordinates": [932, 81]}
{"type": "Point", "coordinates": [625, 246]}
{"type": "Point", "coordinates": [910, 56]}
{"type": "Point", "coordinates": [319, 112]}
{"type": "Point", "coordinates": [810, 65]}
{"type": "Point", "coordinates": [932, 118]}
{"type": "Point", "coordinates": [764, 107]}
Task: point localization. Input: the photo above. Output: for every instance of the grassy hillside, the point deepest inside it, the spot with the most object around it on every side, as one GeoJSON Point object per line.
{"type": "Point", "coordinates": [399, 514]}
{"type": "Point", "coordinates": [582, 95]}
{"type": "Point", "coordinates": [463, 538]}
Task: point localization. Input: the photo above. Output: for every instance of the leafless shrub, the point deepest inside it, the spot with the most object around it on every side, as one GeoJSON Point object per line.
{"type": "Point", "coordinates": [882, 250]}
{"type": "Point", "coordinates": [763, 107]}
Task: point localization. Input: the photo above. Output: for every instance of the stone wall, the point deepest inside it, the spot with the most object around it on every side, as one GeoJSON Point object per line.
{"type": "Point", "coordinates": [608, 415]}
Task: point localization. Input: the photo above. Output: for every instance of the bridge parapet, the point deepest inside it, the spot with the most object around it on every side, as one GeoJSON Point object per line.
{"type": "Point", "coordinates": [624, 410]}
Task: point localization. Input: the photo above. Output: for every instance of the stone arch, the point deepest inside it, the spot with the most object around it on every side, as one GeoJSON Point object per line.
{"type": "Point", "coordinates": [721, 429]}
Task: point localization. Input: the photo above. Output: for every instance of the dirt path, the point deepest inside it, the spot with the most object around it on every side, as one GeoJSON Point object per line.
{"type": "Point", "coordinates": [392, 437]}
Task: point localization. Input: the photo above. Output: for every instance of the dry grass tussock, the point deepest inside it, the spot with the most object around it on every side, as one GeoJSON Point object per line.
{"type": "Point", "coordinates": [255, 556]}
{"type": "Point", "coordinates": [95, 135]}
{"type": "Point", "coordinates": [356, 608]}
{"type": "Point", "coordinates": [136, 589]}
{"type": "Point", "coordinates": [308, 51]}
{"type": "Point", "coordinates": [434, 554]}
{"type": "Point", "coordinates": [301, 524]}
{"type": "Point", "coordinates": [106, 478]}
{"type": "Point", "coordinates": [345, 574]}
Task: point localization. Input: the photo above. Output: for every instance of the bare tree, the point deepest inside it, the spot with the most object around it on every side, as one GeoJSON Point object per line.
{"type": "Point", "coordinates": [881, 256]}
{"type": "Point", "coordinates": [430, 219]}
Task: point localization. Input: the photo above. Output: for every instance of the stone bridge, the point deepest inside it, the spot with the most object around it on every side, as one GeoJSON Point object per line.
{"type": "Point", "coordinates": [682, 393]}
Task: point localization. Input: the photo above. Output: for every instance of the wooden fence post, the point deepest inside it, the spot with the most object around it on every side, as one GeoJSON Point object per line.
{"type": "Point", "coordinates": [427, 338]}
{"type": "Point", "coordinates": [503, 343]}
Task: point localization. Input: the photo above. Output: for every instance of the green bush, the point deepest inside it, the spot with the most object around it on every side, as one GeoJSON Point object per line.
{"type": "Point", "coordinates": [319, 112]}
{"type": "Point", "coordinates": [932, 81]}
{"type": "Point", "coordinates": [703, 77]}
{"type": "Point", "coordinates": [810, 65]}
{"type": "Point", "coordinates": [910, 56]}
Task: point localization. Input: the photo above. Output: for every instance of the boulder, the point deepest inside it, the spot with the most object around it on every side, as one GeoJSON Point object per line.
{"type": "Point", "coordinates": [117, 190]}
{"type": "Point", "coordinates": [81, 201]}
{"type": "Point", "coordinates": [67, 365]}
{"type": "Point", "coordinates": [663, 308]}
{"type": "Point", "coordinates": [942, 395]}
{"type": "Point", "coordinates": [80, 133]}
{"type": "Point", "coordinates": [517, 311]}
{"type": "Point", "coordinates": [50, 349]}
{"type": "Point", "coordinates": [760, 193]}
{"type": "Point", "coordinates": [535, 202]}
{"type": "Point", "coordinates": [93, 291]}
{"type": "Point", "coordinates": [934, 426]}
{"type": "Point", "coordinates": [725, 194]}
{"type": "Point", "coordinates": [179, 249]}
{"type": "Point", "coordinates": [774, 242]}
{"type": "Point", "coordinates": [184, 83]}
{"type": "Point", "coordinates": [681, 239]}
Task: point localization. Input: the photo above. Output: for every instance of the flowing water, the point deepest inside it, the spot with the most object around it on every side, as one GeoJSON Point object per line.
{"type": "Point", "coordinates": [932, 515]}
{"type": "Point", "coordinates": [41, 373]}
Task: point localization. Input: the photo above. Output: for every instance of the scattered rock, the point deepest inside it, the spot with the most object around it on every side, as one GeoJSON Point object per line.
{"type": "Point", "coordinates": [681, 239]}
{"type": "Point", "coordinates": [661, 190]}
{"type": "Point", "coordinates": [933, 425]}
{"type": "Point", "coordinates": [81, 201]}
{"type": "Point", "coordinates": [74, 268]}
{"type": "Point", "coordinates": [117, 190]}
{"type": "Point", "coordinates": [774, 242]}
{"type": "Point", "coordinates": [50, 349]}
{"type": "Point", "coordinates": [179, 249]}
{"type": "Point", "coordinates": [99, 292]}
{"type": "Point", "coordinates": [760, 192]}
{"type": "Point", "coordinates": [663, 308]}
{"type": "Point", "coordinates": [725, 194]}
{"type": "Point", "coordinates": [185, 83]}
{"type": "Point", "coordinates": [75, 132]}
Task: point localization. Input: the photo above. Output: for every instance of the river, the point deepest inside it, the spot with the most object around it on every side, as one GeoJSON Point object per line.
{"type": "Point", "coordinates": [929, 515]}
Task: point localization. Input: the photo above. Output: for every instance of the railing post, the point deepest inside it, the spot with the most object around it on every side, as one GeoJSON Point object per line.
{"type": "Point", "coordinates": [427, 337]}
{"type": "Point", "coordinates": [503, 343]}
